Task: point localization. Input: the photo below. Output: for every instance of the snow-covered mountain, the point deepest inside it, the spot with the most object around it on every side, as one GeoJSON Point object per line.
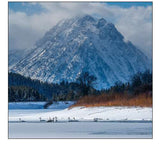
{"type": "Point", "coordinates": [83, 44]}
{"type": "Point", "coordinates": [15, 55]}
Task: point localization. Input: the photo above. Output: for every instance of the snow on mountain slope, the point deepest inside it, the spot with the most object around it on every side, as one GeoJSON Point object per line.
{"type": "Point", "coordinates": [83, 44]}
{"type": "Point", "coordinates": [15, 56]}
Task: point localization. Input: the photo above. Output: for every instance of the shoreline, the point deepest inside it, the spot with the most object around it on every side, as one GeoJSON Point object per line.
{"type": "Point", "coordinates": [105, 106]}
{"type": "Point", "coordinates": [79, 121]}
{"type": "Point", "coordinates": [116, 113]}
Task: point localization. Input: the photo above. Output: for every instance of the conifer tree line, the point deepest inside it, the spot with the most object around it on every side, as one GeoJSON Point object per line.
{"type": "Point", "coordinates": [22, 88]}
{"type": "Point", "coordinates": [63, 91]}
{"type": "Point", "coordinates": [23, 93]}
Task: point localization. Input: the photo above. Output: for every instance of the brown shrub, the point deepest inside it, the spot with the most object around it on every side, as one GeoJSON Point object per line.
{"type": "Point", "coordinates": [143, 100]}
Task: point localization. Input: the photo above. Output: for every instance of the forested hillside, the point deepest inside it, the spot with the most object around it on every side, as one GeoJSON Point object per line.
{"type": "Point", "coordinates": [63, 91]}
{"type": "Point", "coordinates": [23, 93]}
{"type": "Point", "coordinates": [25, 89]}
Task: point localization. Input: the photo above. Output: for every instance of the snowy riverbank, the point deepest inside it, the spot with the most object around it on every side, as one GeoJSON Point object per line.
{"type": "Point", "coordinates": [83, 114]}
{"type": "Point", "coordinates": [113, 122]}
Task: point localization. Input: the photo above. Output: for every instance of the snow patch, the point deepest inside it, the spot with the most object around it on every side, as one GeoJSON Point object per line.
{"type": "Point", "coordinates": [42, 53]}
{"type": "Point", "coordinates": [89, 114]}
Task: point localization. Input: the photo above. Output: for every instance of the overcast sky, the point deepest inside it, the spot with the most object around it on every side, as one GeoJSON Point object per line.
{"type": "Point", "coordinates": [29, 21]}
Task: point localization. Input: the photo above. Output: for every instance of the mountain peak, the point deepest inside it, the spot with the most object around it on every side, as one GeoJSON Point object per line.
{"type": "Point", "coordinates": [101, 22]}
{"type": "Point", "coordinates": [83, 44]}
{"type": "Point", "coordinates": [87, 18]}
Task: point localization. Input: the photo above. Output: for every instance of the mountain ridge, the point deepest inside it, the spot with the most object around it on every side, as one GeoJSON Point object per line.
{"type": "Point", "coordinates": [83, 44]}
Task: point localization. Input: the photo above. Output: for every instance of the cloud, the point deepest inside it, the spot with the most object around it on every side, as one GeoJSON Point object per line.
{"type": "Point", "coordinates": [134, 23]}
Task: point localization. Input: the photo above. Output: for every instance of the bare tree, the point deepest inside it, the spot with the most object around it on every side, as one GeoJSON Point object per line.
{"type": "Point", "coordinates": [86, 81]}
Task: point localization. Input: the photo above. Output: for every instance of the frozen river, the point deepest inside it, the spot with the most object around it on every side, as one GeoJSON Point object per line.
{"type": "Point", "coordinates": [81, 130]}
{"type": "Point", "coordinates": [113, 122]}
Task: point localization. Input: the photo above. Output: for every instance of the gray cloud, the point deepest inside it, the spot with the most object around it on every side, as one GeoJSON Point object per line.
{"type": "Point", "coordinates": [134, 23]}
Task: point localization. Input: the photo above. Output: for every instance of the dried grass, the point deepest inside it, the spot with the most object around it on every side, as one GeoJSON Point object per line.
{"type": "Point", "coordinates": [142, 100]}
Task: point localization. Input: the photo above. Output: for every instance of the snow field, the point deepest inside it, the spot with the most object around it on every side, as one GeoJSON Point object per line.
{"type": "Point", "coordinates": [87, 114]}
